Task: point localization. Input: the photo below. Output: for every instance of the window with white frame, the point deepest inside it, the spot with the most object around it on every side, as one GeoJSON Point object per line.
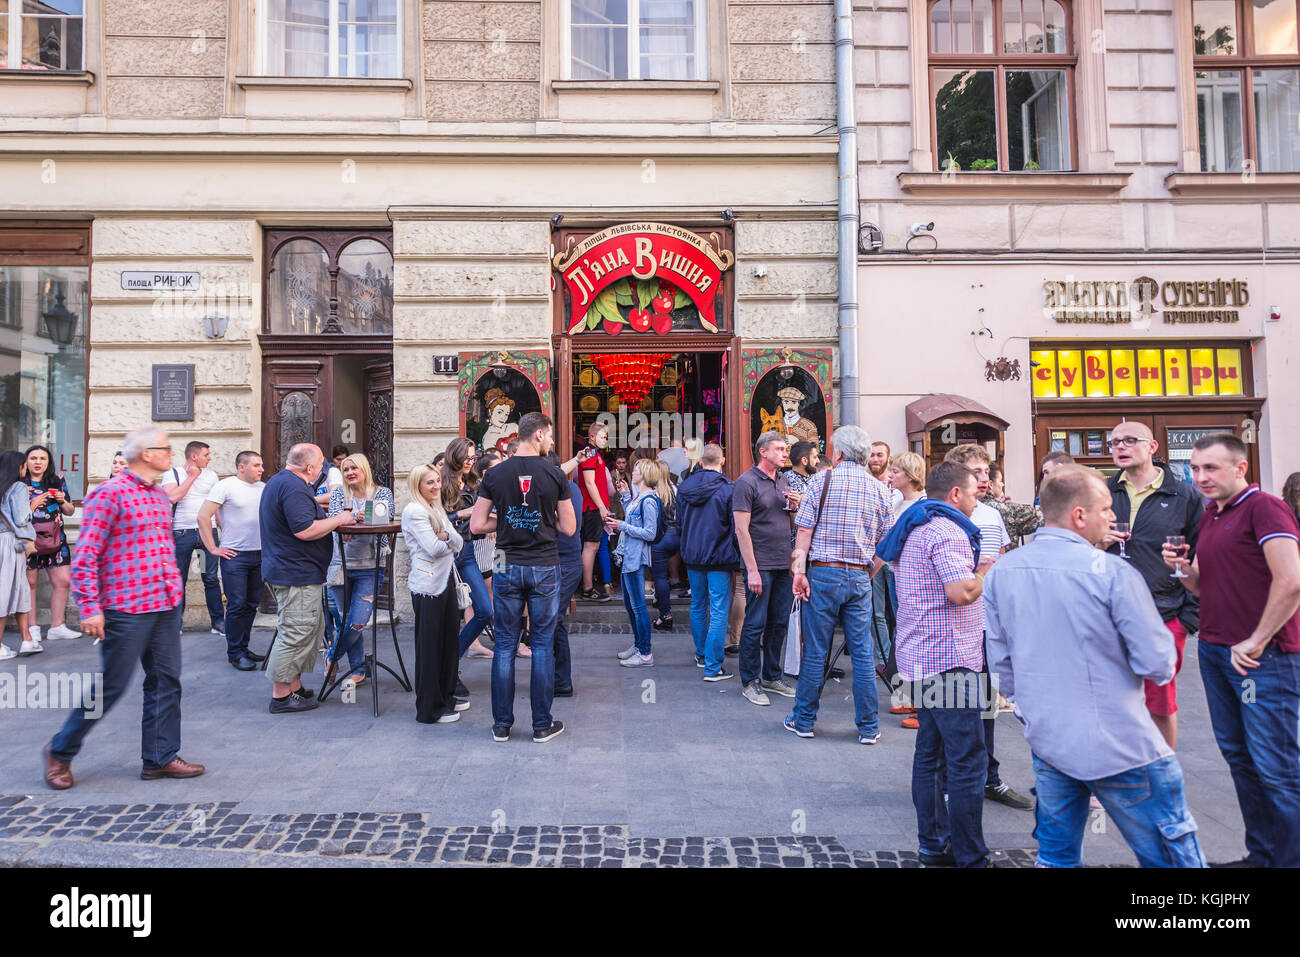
{"type": "Point", "coordinates": [635, 40]}
{"type": "Point", "coordinates": [330, 38]}
{"type": "Point", "coordinates": [42, 35]}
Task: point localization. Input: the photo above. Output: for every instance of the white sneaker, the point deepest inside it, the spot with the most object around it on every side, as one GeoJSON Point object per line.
{"type": "Point", "coordinates": [627, 653]}
{"type": "Point", "coordinates": [6, 653]}
{"type": "Point", "coordinates": [636, 660]}
{"type": "Point", "coordinates": [30, 648]}
{"type": "Point", "coordinates": [34, 632]}
{"type": "Point", "coordinates": [61, 631]}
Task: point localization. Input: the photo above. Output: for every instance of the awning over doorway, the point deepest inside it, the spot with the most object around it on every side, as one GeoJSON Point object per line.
{"type": "Point", "coordinates": [930, 410]}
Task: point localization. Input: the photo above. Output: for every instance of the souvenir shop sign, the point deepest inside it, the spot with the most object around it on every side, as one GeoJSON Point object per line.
{"type": "Point", "coordinates": [1145, 299]}
{"type": "Point", "coordinates": [674, 262]}
{"type": "Point", "coordinates": [1120, 373]}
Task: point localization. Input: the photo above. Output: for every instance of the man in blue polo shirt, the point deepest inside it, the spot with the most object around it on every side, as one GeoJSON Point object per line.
{"type": "Point", "coordinates": [1247, 574]}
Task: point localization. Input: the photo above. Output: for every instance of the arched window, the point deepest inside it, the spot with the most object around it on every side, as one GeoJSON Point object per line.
{"type": "Point", "coordinates": [329, 283]}
{"type": "Point", "coordinates": [1002, 78]}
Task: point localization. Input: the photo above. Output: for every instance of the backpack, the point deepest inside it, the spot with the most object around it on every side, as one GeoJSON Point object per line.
{"type": "Point", "coordinates": [661, 523]}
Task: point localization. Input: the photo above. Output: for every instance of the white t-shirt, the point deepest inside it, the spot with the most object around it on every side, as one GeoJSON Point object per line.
{"type": "Point", "coordinates": [187, 509]}
{"type": "Point", "coordinates": [993, 531]}
{"type": "Point", "coordinates": [238, 503]}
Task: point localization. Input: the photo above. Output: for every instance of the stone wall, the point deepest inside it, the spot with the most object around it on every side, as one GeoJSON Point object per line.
{"type": "Point", "coordinates": [482, 61]}
{"type": "Point", "coordinates": [782, 61]}
{"type": "Point", "coordinates": [165, 60]}
{"type": "Point", "coordinates": [795, 302]}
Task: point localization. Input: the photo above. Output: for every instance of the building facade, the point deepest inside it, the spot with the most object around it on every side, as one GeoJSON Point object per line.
{"type": "Point", "coordinates": [1086, 210]}
{"type": "Point", "coordinates": [275, 222]}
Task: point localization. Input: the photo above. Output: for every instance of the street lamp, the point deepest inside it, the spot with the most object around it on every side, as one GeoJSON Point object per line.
{"type": "Point", "coordinates": [61, 321]}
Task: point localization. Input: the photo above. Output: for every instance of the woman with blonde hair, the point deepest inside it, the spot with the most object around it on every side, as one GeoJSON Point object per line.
{"type": "Point", "coordinates": [433, 543]}
{"type": "Point", "coordinates": [635, 542]}
{"type": "Point", "coordinates": [363, 553]}
{"type": "Point", "coordinates": [907, 476]}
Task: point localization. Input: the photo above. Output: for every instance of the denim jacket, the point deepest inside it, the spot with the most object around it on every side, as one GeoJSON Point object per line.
{"type": "Point", "coordinates": [638, 529]}
{"type": "Point", "coordinates": [17, 512]}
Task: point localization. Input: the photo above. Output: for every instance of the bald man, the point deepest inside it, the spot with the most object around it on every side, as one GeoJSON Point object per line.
{"type": "Point", "coordinates": [1072, 635]}
{"type": "Point", "coordinates": [1147, 495]}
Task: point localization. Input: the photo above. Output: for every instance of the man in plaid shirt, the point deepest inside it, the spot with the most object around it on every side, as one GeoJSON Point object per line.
{"type": "Point", "coordinates": [128, 590]}
{"type": "Point", "coordinates": [940, 649]}
{"type": "Point", "coordinates": [839, 543]}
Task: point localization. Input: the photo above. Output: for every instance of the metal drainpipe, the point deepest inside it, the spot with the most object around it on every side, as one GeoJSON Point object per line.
{"type": "Point", "coordinates": [846, 115]}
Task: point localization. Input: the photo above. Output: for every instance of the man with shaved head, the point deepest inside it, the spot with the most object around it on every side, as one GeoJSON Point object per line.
{"type": "Point", "coordinates": [296, 547]}
{"type": "Point", "coordinates": [1072, 633]}
{"type": "Point", "coordinates": [1149, 497]}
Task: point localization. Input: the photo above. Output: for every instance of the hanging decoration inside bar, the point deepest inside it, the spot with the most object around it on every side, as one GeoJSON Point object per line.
{"type": "Point", "coordinates": [631, 376]}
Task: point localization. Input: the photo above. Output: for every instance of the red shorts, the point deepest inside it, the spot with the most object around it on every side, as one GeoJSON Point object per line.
{"type": "Point", "coordinates": [1163, 699]}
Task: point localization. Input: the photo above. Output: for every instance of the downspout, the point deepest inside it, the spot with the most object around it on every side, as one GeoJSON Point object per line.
{"type": "Point", "coordinates": [846, 116]}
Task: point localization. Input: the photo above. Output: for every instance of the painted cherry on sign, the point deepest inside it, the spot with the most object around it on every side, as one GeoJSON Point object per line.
{"type": "Point", "coordinates": [613, 328]}
{"type": "Point", "coordinates": [661, 322]}
{"type": "Point", "coordinates": [662, 302]}
{"type": "Point", "coordinates": [639, 319]}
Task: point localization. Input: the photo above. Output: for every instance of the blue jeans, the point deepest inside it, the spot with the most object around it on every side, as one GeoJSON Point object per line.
{"type": "Point", "coordinates": [467, 565]}
{"type": "Point", "coordinates": [1147, 804]}
{"type": "Point", "coordinates": [187, 543]}
{"type": "Point", "coordinates": [767, 618]}
{"type": "Point", "coordinates": [152, 640]}
{"type": "Point", "coordinates": [710, 606]}
{"type": "Point", "coordinates": [660, 555]}
{"type": "Point", "coordinates": [634, 601]}
{"type": "Point", "coordinates": [242, 576]}
{"type": "Point", "coordinates": [351, 630]}
{"type": "Point", "coordinates": [513, 587]}
{"type": "Point", "coordinates": [1257, 737]}
{"type": "Point", "coordinates": [949, 745]}
{"type": "Point", "coordinates": [882, 590]}
{"type": "Point", "coordinates": [570, 582]}
{"type": "Point", "coordinates": [838, 595]}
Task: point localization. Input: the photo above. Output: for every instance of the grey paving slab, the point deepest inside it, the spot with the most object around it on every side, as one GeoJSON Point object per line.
{"type": "Point", "coordinates": [654, 753]}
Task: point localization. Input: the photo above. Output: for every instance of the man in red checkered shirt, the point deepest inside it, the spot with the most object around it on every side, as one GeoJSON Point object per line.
{"type": "Point", "coordinates": [128, 590]}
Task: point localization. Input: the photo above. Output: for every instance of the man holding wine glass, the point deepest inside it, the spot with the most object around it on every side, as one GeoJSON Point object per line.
{"type": "Point", "coordinates": [1151, 506]}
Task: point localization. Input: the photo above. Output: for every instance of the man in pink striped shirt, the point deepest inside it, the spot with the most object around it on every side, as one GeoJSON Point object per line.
{"type": "Point", "coordinates": [128, 590]}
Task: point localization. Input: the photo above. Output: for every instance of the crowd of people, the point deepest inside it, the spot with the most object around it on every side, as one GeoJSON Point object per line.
{"type": "Point", "coordinates": [1071, 612]}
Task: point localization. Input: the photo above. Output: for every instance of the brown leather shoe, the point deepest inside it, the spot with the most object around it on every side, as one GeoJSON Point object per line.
{"type": "Point", "coordinates": [58, 774]}
{"type": "Point", "coordinates": [179, 768]}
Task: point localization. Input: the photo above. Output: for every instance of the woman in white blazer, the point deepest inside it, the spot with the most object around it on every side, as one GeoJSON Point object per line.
{"type": "Point", "coordinates": [433, 543]}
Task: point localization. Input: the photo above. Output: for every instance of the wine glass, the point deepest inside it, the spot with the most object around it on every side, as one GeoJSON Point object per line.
{"type": "Point", "coordinates": [1177, 543]}
{"type": "Point", "coordinates": [1121, 529]}
{"type": "Point", "coordinates": [525, 483]}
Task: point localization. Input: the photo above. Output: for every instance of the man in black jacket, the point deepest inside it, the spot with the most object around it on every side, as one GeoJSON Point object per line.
{"type": "Point", "coordinates": [1149, 497]}
{"type": "Point", "coordinates": [710, 554]}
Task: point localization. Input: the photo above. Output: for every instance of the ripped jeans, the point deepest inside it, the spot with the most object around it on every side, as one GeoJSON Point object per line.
{"type": "Point", "coordinates": [1147, 804]}
{"type": "Point", "coordinates": [361, 586]}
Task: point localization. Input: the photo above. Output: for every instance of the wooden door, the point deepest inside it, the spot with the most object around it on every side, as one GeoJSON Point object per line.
{"type": "Point", "coordinates": [1177, 431]}
{"type": "Point", "coordinates": [378, 425]}
{"type": "Point", "coordinates": [295, 406]}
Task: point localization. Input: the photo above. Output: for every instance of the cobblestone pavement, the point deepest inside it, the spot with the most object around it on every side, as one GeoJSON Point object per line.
{"type": "Point", "coordinates": [668, 769]}
{"type": "Point", "coordinates": [30, 831]}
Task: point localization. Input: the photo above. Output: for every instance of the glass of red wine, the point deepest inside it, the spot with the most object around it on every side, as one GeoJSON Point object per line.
{"type": "Point", "coordinates": [525, 483]}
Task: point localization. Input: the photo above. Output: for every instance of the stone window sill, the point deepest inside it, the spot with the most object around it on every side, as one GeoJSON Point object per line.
{"type": "Point", "coordinates": [1013, 184]}
{"type": "Point", "coordinates": [49, 76]}
{"type": "Point", "coordinates": [1234, 185]}
{"type": "Point", "coordinates": [321, 83]}
{"type": "Point", "coordinates": [638, 86]}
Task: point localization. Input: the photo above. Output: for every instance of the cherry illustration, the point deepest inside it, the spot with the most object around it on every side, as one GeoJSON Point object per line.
{"type": "Point", "coordinates": [613, 328]}
{"type": "Point", "coordinates": [639, 319]}
{"type": "Point", "coordinates": [663, 302]}
{"type": "Point", "coordinates": [661, 322]}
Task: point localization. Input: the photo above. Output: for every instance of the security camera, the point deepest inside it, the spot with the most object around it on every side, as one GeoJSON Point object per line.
{"type": "Point", "coordinates": [917, 229]}
{"type": "Point", "coordinates": [760, 271]}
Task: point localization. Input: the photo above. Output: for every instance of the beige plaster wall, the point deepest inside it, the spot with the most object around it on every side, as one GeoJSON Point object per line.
{"type": "Point", "coordinates": [165, 60]}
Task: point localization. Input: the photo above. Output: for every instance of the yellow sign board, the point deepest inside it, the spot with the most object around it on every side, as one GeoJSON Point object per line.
{"type": "Point", "coordinates": [1123, 373]}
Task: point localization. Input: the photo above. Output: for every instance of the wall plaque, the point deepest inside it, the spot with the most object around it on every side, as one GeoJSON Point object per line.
{"type": "Point", "coordinates": [173, 393]}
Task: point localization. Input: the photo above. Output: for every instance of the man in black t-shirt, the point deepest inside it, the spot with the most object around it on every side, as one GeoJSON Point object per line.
{"type": "Point", "coordinates": [525, 500]}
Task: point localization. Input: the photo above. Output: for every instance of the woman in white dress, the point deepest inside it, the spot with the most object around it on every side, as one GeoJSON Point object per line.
{"type": "Point", "coordinates": [16, 533]}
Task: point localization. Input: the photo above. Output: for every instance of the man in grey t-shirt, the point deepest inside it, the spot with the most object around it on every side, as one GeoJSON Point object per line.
{"type": "Point", "coordinates": [763, 533]}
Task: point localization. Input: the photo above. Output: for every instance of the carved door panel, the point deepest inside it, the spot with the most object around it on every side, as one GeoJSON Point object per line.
{"type": "Point", "coordinates": [379, 420]}
{"type": "Point", "coordinates": [295, 406]}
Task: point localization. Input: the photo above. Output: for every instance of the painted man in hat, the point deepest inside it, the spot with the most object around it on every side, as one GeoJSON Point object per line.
{"type": "Point", "coordinates": [792, 423]}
